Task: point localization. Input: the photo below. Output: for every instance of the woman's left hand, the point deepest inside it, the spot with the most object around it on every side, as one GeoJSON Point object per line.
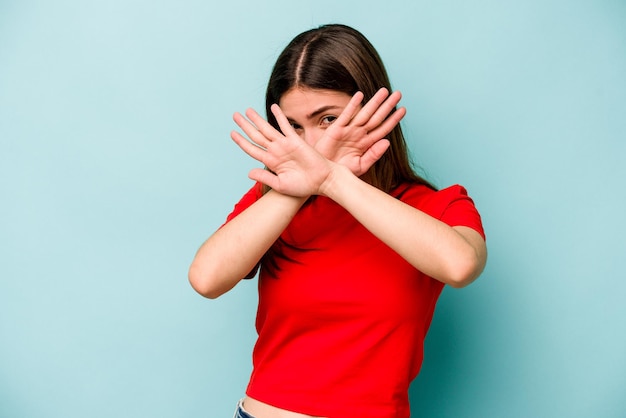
{"type": "Point", "coordinates": [357, 138]}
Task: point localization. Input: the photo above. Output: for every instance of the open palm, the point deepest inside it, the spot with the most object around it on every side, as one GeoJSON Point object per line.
{"type": "Point", "coordinates": [295, 167]}
{"type": "Point", "coordinates": [356, 138]}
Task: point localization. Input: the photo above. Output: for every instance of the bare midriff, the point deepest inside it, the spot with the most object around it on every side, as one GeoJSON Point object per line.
{"type": "Point", "coordinates": [262, 410]}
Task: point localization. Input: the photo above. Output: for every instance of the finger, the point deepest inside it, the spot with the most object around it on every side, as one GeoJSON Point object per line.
{"type": "Point", "coordinates": [373, 154]}
{"type": "Point", "coordinates": [370, 108]}
{"type": "Point", "coordinates": [350, 110]}
{"type": "Point", "coordinates": [248, 147]}
{"type": "Point", "coordinates": [264, 176]}
{"type": "Point", "coordinates": [281, 119]}
{"type": "Point", "coordinates": [384, 110]}
{"type": "Point", "coordinates": [388, 124]}
{"type": "Point", "coordinates": [251, 130]}
{"type": "Point", "coordinates": [270, 133]}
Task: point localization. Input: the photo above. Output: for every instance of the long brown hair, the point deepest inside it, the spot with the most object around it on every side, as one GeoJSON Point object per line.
{"type": "Point", "coordinates": [338, 57]}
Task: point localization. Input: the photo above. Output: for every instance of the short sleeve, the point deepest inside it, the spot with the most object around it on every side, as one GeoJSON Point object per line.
{"type": "Point", "coordinates": [451, 205]}
{"type": "Point", "coordinates": [460, 209]}
{"type": "Point", "coordinates": [246, 201]}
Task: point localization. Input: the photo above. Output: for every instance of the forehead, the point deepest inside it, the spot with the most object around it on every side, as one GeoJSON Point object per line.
{"type": "Point", "coordinates": [305, 101]}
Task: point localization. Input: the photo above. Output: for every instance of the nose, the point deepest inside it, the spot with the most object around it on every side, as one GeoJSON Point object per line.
{"type": "Point", "coordinates": [310, 136]}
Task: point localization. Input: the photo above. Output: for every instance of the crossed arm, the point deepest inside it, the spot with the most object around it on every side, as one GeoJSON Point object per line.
{"type": "Point", "coordinates": [331, 167]}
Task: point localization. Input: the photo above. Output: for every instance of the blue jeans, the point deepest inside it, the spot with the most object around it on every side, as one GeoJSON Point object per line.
{"type": "Point", "coordinates": [240, 412]}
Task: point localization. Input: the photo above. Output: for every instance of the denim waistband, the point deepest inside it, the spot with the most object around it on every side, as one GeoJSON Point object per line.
{"type": "Point", "coordinates": [240, 412]}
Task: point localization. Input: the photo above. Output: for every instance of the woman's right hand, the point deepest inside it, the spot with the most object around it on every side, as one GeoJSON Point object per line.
{"type": "Point", "coordinates": [294, 167]}
{"type": "Point", "coordinates": [356, 138]}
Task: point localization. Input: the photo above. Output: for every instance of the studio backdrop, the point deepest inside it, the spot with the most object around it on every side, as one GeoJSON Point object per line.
{"type": "Point", "coordinates": [116, 164]}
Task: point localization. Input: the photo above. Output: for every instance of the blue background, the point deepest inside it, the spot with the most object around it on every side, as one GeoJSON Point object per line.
{"type": "Point", "coordinates": [116, 163]}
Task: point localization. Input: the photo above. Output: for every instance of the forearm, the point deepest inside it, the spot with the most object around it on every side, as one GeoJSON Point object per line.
{"type": "Point", "coordinates": [455, 256]}
{"type": "Point", "coordinates": [236, 248]}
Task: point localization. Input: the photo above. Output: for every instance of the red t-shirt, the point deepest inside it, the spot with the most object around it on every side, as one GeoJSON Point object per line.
{"type": "Point", "coordinates": [342, 317]}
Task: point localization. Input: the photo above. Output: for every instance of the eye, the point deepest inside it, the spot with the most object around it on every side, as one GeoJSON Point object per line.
{"type": "Point", "coordinates": [327, 120]}
{"type": "Point", "coordinates": [295, 126]}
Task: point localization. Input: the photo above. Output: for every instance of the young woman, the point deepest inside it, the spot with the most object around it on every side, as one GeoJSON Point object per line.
{"type": "Point", "coordinates": [353, 246]}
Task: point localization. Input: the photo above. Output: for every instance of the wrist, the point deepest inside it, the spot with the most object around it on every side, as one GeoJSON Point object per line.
{"type": "Point", "coordinates": [337, 176]}
{"type": "Point", "coordinates": [288, 199]}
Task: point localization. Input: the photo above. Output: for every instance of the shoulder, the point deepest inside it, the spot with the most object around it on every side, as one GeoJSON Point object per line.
{"type": "Point", "coordinates": [424, 197]}
{"type": "Point", "coordinates": [452, 205]}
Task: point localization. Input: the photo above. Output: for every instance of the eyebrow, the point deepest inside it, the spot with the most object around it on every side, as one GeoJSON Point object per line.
{"type": "Point", "coordinates": [321, 110]}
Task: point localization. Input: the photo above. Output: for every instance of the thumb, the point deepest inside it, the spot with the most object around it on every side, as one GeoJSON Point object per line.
{"type": "Point", "coordinates": [374, 153]}
{"type": "Point", "coordinates": [264, 176]}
